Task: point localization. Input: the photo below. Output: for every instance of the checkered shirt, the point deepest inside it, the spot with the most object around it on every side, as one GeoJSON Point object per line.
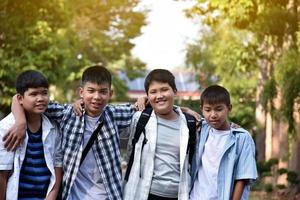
{"type": "Point", "coordinates": [107, 145]}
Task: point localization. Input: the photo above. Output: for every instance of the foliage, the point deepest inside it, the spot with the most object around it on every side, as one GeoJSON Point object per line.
{"type": "Point", "coordinates": [268, 187]}
{"type": "Point", "coordinates": [230, 62]}
{"type": "Point", "coordinates": [292, 178]}
{"type": "Point", "coordinates": [247, 36]}
{"type": "Point", "coordinates": [287, 74]}
{"type": "Point", "coordinates": [60, 38]}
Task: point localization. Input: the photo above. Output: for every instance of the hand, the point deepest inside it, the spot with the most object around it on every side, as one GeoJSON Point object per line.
{"type": "Point", "coordinates": [141, 103]}
{"type": "Point", "coordinates": [15, 136]}
{"type": "Point", "coordinates": [193, 113]}
{"type": "Point", "coordinates": [78, 107]}
{"type": "Point", "coordinates": [234, 125]}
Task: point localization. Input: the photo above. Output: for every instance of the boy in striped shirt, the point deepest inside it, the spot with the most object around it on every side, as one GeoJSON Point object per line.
{"type": "Point", "coordinates": [35, 166]}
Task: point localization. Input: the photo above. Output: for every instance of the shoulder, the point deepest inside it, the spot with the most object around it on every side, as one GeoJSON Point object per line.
{"type": "Point", "coordinates": [6, 123]}
{"type": "Point", "coordinates": [119, 106]}
{"type": "Point", "coordinates": [49, 123]}
{"type": "Point", "coordinates": [242, 133]}
{"type": "Point", "coordinates": [136, 116]}
{"type": "Point", "coordinates": [243, 138]}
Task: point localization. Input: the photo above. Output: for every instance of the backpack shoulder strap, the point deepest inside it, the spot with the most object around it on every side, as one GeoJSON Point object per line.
{"type": "Point", "coordinates": [140, 127]}
{"type": "Point", "coordinates": [143, 120]}
{"type": "Point", "coordinates": [191, 123]}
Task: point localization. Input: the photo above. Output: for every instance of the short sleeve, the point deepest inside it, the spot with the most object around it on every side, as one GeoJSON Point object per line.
{"type": "Point", "coordinates": [6, 157]}
{"type": "Point", "coordinates": [123, 114]}
{"type": "Point", "coordinates": [56, 111]}
{"type": "Point", "coordinates": [246, 164]}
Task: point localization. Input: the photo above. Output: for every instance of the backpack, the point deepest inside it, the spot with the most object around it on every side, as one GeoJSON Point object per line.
{"type": "Point", "coordinates": [140, 128]}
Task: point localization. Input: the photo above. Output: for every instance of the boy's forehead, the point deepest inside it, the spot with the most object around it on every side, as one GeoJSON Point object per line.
{"type": "Point", "coordinates": [96, 85]}
{"type": "Point", "coordinates": [213, 104]}
{"type": "Point", "coordinates": [159, 83]}
{"type": "Point", "coordinates": [36, 89]}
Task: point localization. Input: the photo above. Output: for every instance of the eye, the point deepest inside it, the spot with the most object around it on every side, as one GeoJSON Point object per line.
{"type": "Point", "coordinates": [90, 91]}
{"type": "Point", "coordinates": [104, 92]}
{"type": "Point", "coordinates": [45, 92]}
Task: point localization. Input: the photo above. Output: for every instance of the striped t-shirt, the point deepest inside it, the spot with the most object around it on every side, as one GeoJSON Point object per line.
{"type": "Point", "coordinates": [35, 175]}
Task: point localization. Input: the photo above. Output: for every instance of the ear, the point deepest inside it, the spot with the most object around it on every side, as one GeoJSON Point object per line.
{"type": "Point", "coordinates": [229, 107]}
{"type": "Point", "coordinates": [20, 99]}
{"type": "Point", "coordinates": [111, 92]}
{"type": "Point", "coordinates": [80, 92]}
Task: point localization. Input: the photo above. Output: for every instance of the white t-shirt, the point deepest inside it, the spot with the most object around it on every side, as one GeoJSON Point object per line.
{"type": "Point", "coordinates": [205, 186]}
{"type": "Point", "coordinates": [88, 184]}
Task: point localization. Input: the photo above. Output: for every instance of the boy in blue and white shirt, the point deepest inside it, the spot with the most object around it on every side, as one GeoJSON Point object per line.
{"type": "Point", "coordinates": [35, 165]}
{"type": "Point", "coordinates": [224, 163]}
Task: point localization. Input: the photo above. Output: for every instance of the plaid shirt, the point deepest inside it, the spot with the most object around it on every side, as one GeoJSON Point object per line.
{"type": "Point", "coordinates": [106, 147]}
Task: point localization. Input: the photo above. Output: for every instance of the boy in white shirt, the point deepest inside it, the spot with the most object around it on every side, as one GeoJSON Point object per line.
{"type": "Point", "coordinates": [224, 163]}
{"type": "Point", "coordinates": [35, 165]}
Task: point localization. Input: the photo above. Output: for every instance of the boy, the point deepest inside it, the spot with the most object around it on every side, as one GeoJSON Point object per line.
{"type": "Point", "coordinates": [224, 161]}
{"type": "Point", "coordinates": [160, 166]}
{"type": "Point", "coordinates": [35, 165]}
{"type": "Point", "coordinates": [98, 175]}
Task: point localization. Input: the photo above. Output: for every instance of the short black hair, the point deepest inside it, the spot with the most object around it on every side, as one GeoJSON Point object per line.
{"type": "Point", "coordinates": [30, 79]}
{"type": "Point", "coordinates": [160, 75]}
{"type": "Point", "coordinates": [96, 74]}
{"type": "Point", "coordinates": [215, 94]}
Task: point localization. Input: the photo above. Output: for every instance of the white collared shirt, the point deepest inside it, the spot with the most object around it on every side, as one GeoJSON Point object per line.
{"type": "Point", "coordinates": [13, 160]}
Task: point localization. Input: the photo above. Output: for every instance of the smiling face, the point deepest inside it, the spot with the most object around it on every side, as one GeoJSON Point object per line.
{"type": "Point", "coordinates": [34, 100]}
{"type": "Point", "coordinates": [216, 115]}
{"type": "Point", "coordinates": [95, 97]}
{"type": "Point", "coordinates": [161, 97]}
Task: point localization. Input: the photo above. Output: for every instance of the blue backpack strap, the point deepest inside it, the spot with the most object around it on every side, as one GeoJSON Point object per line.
{"type": "Point", "coordinates": [191, 123]}
{"type": "Point", "coordinates": [140, 128]}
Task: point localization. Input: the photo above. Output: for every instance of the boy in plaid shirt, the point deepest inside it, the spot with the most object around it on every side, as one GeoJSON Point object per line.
{"type": "Point", "coordinates": [99, 175]}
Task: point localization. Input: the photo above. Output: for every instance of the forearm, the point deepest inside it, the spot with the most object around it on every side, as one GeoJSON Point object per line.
{"type": "Point", "coordinates": [4, 174]}
{"type": "Point", "coordinates": [238, 189]}
{"type": "Point", "coordinates": [18, 111]}
{"type": "Point", "coordinates": [54, 192]}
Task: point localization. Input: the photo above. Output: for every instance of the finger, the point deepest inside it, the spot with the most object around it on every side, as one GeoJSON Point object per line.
{"type": "Point", "coordinates": [77, 111]}
{"type": "Point", "coordinates": [11, 144]}
{"type": "Point", "coordinates": [7, 139]}
{"type": "Point", "coordinates": [7, 135]}
{"type": "Point", "coordinates": [16, 144]}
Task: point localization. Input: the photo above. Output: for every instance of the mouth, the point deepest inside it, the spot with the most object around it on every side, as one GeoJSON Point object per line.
{"type": "Point", "coordinates": [40, 106]}
{"type": "Point", "coordinates": [161, 102]}
{"type": "Point", "coordinates": [214, 122]}
{"type": "Point", "coordinates": [96, 105]}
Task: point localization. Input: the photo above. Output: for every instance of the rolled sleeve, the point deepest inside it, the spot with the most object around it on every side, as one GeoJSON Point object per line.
{"type": "Point", "coordinates": [6, 157]}
{"type": "Point", "coordinates": [246, 166]}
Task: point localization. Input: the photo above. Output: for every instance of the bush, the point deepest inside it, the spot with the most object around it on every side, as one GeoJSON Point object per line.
{"type": "Point", "coordinates": [268, 187]}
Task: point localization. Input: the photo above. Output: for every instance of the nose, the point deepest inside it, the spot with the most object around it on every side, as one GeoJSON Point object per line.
{"type": "Point", "coordinates": [214, 114]}
{"type": "Point", "coordinates": [159, 95]}
{"type": "Point", "coordinates": [40, 97]}
{"type": "Point", "coordinates": [97, 95]}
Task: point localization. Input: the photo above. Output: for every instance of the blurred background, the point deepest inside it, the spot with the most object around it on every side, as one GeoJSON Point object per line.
{"type": "Point", "coordinates": [251, 47]}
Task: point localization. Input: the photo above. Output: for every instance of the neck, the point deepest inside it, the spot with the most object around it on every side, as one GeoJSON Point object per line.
{"type": "Point", "coordinates": [168, 116]}
{"type": "Point", "coordinates": [225, 127]}
{"type": "Point", "coordinates": [33, 122]}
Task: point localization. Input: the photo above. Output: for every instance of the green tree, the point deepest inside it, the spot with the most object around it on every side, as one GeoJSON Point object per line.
{"type": "Point", "coordinates": [60, 38]}
{"type": "Point", "coordinates": [266, 43]}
